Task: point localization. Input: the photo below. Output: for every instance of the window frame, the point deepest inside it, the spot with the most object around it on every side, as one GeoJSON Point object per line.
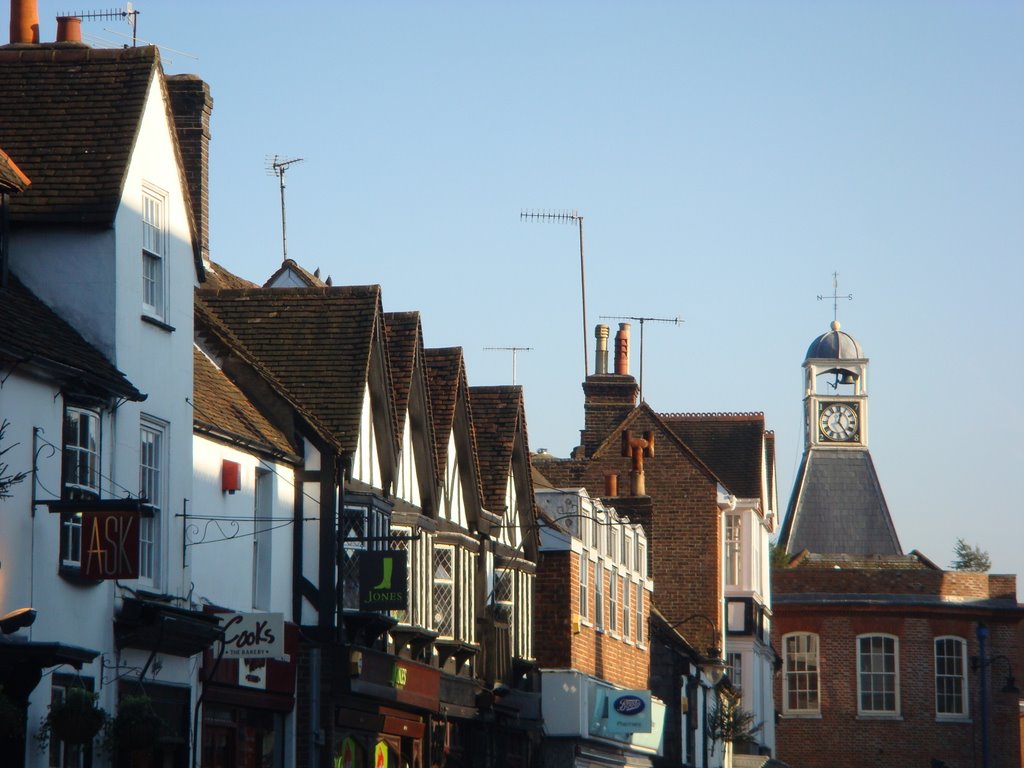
{"type": "Point", "coordinates": [885, 637]}
{"type": "Point", "coordinates": [639, 608]}
{"type": "Point", "coordinates": [810, 656]}
{"type": "Point", "coordinates": [599, 618]}
{"type": "Point", "coordinates": [583, 603]}
{"type": "Point", "coordinates": [627, 624]}
{"type": "Point", "coordinates": [440, 584]}
{"type": "Point", "coordinates": [154, 252]}
{"type": "Point", "coordinates": [91, 448]}
{"type": "Point", "coordinates": [733, 550]}
{"type": "Point", "coordinates": [964, 693]}
{"type": "Point", "coordinates": [734, 662]}
{"type": "Point", "coordinates": [151, 526]}
{"type": "Point", "coordinates": [613, 600]}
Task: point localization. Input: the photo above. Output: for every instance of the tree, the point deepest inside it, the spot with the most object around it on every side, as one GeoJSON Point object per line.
{"type": "Point", "coordinates": [728, 721]}
{"type": "Point", "coordinates": [777, 554]}
{"type": "Point", "coordinates": [7, 479]}
{"type": "Point", "coordinates": [970, 558]}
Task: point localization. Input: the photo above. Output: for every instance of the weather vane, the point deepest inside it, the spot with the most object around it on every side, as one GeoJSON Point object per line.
{"type": "Point", "coordinates": [835, 296]}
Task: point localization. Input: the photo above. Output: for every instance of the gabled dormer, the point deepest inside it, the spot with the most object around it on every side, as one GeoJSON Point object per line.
{"type": "Point", "coordinates": [415, 477]}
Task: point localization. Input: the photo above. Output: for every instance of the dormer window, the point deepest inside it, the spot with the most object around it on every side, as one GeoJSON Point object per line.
{"type": "Point", "coordinates": [154, 252]}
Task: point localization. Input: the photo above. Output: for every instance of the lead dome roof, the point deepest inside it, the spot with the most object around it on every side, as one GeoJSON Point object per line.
{"type": "Point", "coordinates": [835, 345]}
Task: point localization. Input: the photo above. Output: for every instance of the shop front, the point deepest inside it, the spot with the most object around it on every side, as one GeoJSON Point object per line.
{"type": "Point", "coordinates": [383, 712]}
{"type": "Point", "coordinates": [590, 723]}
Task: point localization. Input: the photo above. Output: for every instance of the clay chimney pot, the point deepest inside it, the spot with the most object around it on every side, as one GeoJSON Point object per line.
{"type": "Point", "coordinates": [24, 21]}
{"type": "Point", "coordinates": [69, 29]}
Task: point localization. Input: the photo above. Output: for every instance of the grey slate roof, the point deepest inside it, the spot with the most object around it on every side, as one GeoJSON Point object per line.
{"type": "Point", "coordinates": [837, 505]}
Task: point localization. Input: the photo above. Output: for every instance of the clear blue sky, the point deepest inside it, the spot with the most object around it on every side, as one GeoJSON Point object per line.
{"type": "Point", "coordinates": [727, 158]}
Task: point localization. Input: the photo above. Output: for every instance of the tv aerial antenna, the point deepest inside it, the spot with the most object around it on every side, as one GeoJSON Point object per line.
{"type": "Point", "coordinates": [642, 320]}
{"type": "Point", "coordinates": [514, 351]}
{"type": "Point", "coordinates": [128, 12]}
{"type": "Point", "coordinates": [277, 166]}
{"type": "Point", "coordinates": [568, 217]}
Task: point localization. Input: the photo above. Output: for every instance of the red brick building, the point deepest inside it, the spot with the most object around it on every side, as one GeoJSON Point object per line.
{"type": "Point", "coordinates": [887, 659]}
{"type": "Point", "coordinates": [880, 663]}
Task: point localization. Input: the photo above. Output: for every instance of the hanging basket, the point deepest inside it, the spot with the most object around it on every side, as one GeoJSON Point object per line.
{"type": "Point", "coordinates": [76, 719]}
{"type": "Point", "coordinates": [136, 726]}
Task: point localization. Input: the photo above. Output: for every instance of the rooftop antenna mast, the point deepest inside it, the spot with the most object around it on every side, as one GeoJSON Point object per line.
{"type": "Point", "coordinates": [128, 13]}
{"type": "Point", "coordinates": [514, 351]}
{"type": "Point", "coordinates": [277, 166]}
{"type": "Point", "coordinates": [568, 217]}
{"type": "Point", "coordinates": [642, 320]}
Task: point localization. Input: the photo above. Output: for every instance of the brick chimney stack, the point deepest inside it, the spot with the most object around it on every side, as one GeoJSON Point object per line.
{"type": "Point", "coordinates": [191, 105]}
{"type": "Point", "coordinates": [608, 397]}
{"type": "Point", "coordinates": [24, 22]}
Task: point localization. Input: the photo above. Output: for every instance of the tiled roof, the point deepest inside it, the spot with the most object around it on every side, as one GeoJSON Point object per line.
{"type": "Point", "coordinates": [317, 342]}
{"type": "Point", "coordinates": [444, 373]}
{"type": "Point", "coordinates": [218, 277]}
{"type": "Point", "coordinates": [560, 473]}
{"type": "Point", "coordinates": [838, 506]}
{"type": "Point", "coordinates": [70, 117]}
{"type": "Point", "coordinates": [220, 405]}
{"type": "Point", "coordinates": [835, 561]}
{"type": "Point", "coordinates": [11, 177]}
{"type": "Point", "coordinates": [497, 416]}
{"type": "Point", "coordinates": [32, 332]}
{"type": "Point", "coordinates": [729, 443]}
{"type": "Point", "coordinates": [405, 337]}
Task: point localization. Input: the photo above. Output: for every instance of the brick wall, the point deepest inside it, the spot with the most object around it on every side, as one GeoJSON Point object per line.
{"type": "Point", "coordinates": [592, 651]}
{"type": "Point", "coordinates": [191, 105]}
{"type": "Point", "coordinates": [915, 737]}
{"type": "Point", "coordinates": [683, 530]}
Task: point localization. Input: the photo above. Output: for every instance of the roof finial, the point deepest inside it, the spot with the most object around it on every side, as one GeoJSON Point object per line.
{"type": "Point", "coordinates": [835, 300]}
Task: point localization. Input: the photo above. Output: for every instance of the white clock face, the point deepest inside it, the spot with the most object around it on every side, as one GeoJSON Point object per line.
{"type": "Point", "coordinates": [838, 422]}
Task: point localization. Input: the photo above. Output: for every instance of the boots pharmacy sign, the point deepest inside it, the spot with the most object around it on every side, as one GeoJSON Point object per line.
{"type": "Point", "coordinates": [383, 578]}
{"type": "Point", "coordinates": [253, 635]}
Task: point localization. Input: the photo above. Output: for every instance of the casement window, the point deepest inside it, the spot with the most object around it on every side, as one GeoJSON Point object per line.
{"type": "Point", "coordinates": [641, 558]}
{"type": "Point", "coordinates": [734, 662]}
{"type": "Point", "coordinates": [638, 606]}
{"type": "Point", "coordinates": [628, 551]}
{"type": "Point", "coordinates": [613, 600]}
{"type": "Point", "coordinates": [598, 595]}
{"type": "Point", "coordinates": [444, 590]}
{"type": "Point", "coordinates": [950, 678]}
{"type": "Point", "coordinates": [611, 537]}
{"type": "Point", "coordinates": [584, 586]}
{"type": "Point", "coordinates": [152, 476]}
{"type": "Point", "coordinates": [732, 550]}
{"type": "Point", "coordinates": [626, 617]}
{"type": "Point", "coordinates": [362, 528]}
{"type": "Point", "coordinates": [262, 539]}
{"type": "Point", "coordinates": [877, 675]}
{"type": "Point", "coordinates": [154, 253]}
{"type": "Point", "coordinates": [513, 592]}
{"type": "Point", "coordinates": [81, 470]}
{"type": "Point", "coordinates": [800, 680]}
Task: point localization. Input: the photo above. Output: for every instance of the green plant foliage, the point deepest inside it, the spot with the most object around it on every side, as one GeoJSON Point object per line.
{"type": "Point", "coordinates": [728, 721]}
{"type": "Point", "coordinates": [970, 558]}
{"type": "Point", "coordinates": [75, 719]}
{"type": "Point", "coordinates": [136, 725]}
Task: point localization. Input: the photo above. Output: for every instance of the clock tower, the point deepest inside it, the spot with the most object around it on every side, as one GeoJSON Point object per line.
{"type": "Point", "coordinates": [837, 505]}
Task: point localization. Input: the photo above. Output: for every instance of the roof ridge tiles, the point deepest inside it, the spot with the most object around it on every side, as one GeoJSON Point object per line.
{"type": "Point", "coordinates": [734, 415]}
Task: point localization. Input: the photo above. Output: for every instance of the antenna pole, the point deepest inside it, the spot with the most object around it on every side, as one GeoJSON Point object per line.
{"type": "Point", "coordinates": [642, 320]}
{"type": "Point", "coordinates": [277, 166]}
{"type": "Point", "coordinates": [514, 351]}
{"type": "Point", "coordinates": [568, 217]}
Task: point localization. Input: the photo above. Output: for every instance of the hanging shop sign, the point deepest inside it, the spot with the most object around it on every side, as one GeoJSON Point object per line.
{"type": "Point", "coordinates": [383, 580]}
{"type": "Point", "coordinates": [110, 545]}
{"type": "Point", "coordinates": [253, 635]}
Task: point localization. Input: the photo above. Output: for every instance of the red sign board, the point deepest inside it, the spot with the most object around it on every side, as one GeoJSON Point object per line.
{"type": "Point", "coordinates": [110, 545]}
